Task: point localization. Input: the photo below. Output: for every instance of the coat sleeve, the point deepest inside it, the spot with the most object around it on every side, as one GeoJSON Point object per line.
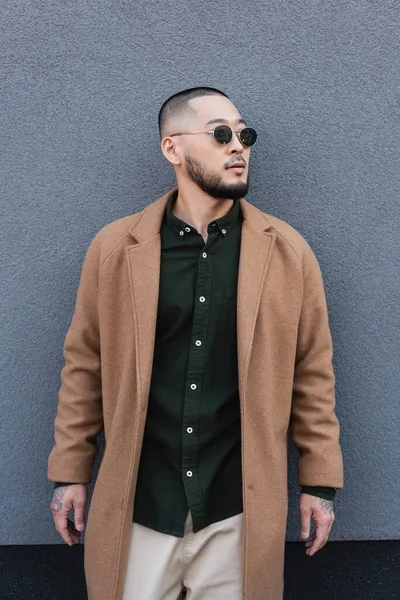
{"type": "Point", "coordinates": [79, 417]}
{"type": "Point", "coordinates": [314, 426]}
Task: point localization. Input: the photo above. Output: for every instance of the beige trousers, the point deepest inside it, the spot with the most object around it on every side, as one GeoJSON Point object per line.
{"type": "Point", "coordinates": [207, 564]}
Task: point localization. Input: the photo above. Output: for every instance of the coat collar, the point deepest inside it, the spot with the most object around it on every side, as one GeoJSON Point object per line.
{"type": "Point", "coordinates": [149, 223]}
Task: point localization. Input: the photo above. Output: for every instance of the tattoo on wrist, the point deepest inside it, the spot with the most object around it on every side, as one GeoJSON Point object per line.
{"type": "Point", "coordinates": [327, 505]}
{"type": "Point", "coordinates": [57, 497]}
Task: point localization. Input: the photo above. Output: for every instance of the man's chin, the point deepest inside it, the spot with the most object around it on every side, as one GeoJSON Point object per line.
{"type": "Point", "coordinates": [228, 192]}
{"type": "Point", "coordinates": [234, 192]}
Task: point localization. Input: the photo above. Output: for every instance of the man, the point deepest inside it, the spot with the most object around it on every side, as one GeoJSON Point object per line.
{"type": "Point", "coordinates": [200, 339]}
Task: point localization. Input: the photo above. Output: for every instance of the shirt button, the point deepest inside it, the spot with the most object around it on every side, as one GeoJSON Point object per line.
{"type": "Point", "coordinates": [189, 473]}
{"type": "Point", "coordinates": [193, 386]}
{"type": "Point", "coordinates": [189, 429]}
{"type": "Point", "coordinates": [198, 343]}
{"type": "Point", "coordinates": [204, 254]}
{"type": "Point", "coordinates": [224, 231]}
{"type": "Point", "coordinates": [202, 299]}
{"type": "Point", "coordinates": [187, 229]}
{"type": "Point", "coordinates": [181, 233]}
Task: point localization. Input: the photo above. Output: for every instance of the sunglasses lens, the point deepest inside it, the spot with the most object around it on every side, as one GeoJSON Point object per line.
{"type": "Point", "coordinates": [248, 136]}
{"type": "Point", "coordinates": [223, 134]}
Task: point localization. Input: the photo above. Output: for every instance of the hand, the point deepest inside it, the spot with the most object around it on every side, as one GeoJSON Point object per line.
{"type": "Point", "coordinates": [322, 512]}
{"type": "Point", "coordinates": [67, 498]}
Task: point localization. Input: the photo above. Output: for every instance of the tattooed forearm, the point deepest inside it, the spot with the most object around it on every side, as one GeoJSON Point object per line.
{"type": "Point", "coordinates": [327, 505]}
{"type": "Point", "coordinates": [57, 497]}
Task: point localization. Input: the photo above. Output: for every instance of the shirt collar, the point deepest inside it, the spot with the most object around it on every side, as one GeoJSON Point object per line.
{"type": "Point", "coordinates": [224, 224]}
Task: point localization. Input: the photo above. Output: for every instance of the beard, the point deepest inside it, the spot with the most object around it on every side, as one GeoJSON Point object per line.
{"type": "Point", "coordinates": [213, 184]}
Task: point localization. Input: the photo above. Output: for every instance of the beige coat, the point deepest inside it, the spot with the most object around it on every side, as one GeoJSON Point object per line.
{"type": "Point", "coordinates": [285, 378]}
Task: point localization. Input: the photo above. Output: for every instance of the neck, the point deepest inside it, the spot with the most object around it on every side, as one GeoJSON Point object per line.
{"type": "Point", "coordinates": [198, 209]}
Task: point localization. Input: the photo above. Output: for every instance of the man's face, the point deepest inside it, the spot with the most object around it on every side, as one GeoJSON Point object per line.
{"type": "Point", "coordinates": [207, 162]}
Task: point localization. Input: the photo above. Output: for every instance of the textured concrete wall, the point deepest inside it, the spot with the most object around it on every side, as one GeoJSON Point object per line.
{"type": "Point", "coordinates": [81, 83]}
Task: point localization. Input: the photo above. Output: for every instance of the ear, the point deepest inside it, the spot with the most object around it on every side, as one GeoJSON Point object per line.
{"type": "Point", "coordinates": [170, 149]}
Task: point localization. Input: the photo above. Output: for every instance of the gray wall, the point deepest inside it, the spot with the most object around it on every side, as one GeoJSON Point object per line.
{"type": "Point", "coordinates": [81, 83]}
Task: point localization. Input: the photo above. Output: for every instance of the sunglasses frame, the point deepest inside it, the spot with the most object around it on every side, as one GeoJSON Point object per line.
{"type": "Point", "coordinates": [219, 142]}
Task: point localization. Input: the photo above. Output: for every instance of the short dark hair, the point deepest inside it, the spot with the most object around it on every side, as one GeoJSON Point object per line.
{"type": "Point", "coordinates": [179, 104]}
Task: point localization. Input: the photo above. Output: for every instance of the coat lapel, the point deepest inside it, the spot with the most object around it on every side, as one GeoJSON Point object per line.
{"type": "Point", "coordinates": [255, 256]}
{"type": "Point", "coordinates": [144, 259]}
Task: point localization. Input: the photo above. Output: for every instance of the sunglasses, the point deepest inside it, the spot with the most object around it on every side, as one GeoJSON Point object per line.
{"type": "Point", "coordinates": [223, 135]}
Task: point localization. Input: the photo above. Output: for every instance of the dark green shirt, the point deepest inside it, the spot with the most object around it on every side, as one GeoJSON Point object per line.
{"type": "Point", "coordinates": [191, 452]}
{"type": "Point", "coordinates": [191, 455]}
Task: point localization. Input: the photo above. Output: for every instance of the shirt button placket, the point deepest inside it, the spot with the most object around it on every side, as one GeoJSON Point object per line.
{"type": "Point", "coordinates": [190, 440]}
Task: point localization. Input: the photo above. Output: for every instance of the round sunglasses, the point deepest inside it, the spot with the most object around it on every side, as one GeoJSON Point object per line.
{"type": "Point", "coordinates": [223, 134]}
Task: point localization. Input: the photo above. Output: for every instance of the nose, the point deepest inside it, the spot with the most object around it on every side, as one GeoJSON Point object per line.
{"type": "Point", "coordinates": [235, 145]}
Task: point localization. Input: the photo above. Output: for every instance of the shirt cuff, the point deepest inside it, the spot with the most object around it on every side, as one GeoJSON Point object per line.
{"type": "Point", "coordinates": [60, 483]}
{"type": "Point", "coordinates": [328, 493]}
